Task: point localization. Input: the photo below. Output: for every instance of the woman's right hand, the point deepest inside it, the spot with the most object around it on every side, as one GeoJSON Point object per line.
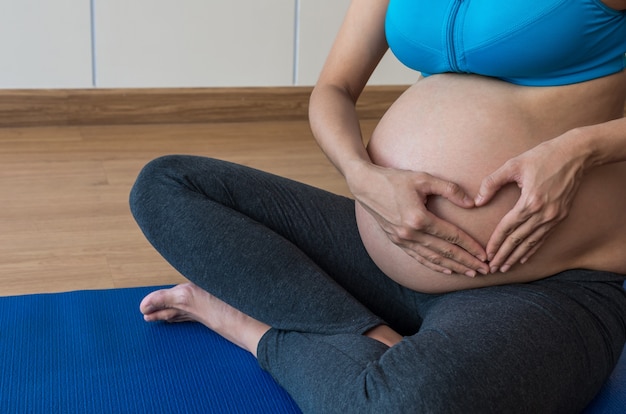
{"type": "Point", "coordinates": [397, 200]}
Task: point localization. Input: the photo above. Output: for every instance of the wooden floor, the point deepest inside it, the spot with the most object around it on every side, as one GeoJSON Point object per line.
{"type": "Point", "coordinates": [64, 217]}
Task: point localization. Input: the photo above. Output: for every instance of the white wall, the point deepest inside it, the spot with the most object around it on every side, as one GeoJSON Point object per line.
{"type": "Point", "coordinates": [169, 43]}
{"type": "Point", "coordinates": [143, 43]}
{"type": "Point", "coordinates": [45, 43]}
{"type": "Point", "coordinates": [318, 23]}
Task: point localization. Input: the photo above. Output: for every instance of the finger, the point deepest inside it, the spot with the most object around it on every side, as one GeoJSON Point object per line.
{"type": "Point", "coordinates": [496, 248]}
{"type": "Point", "coordinates": [491, 184]}
{"type": "Point", "coordinates": [426, 223]}
{"type": "Point", "coordinates": [515, 256]}
{"type": "Point", "coordinates": [510, 243]}
{"type": "Point", "coordinates": [531, 252]}
{"type": "Point", "coordinates": [448, 190]}
{"type": "Point", "coordinates": [528, 247]}
{"type": "Point", "coordinates": [454, 236]}
{"type": "Point", "coordinates": [454, 244]}
{"type": "Point", "coordinates": [519, 244]}
{"type": "Point", "coordinates": [439, 248]}
{"type": "Point", "coordinates": [428, 254]}
{"type": "Point", "coordinates": [418, 254]}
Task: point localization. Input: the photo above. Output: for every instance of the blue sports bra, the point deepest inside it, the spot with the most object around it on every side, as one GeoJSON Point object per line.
{"type": "Point", "coordinates": [534, 43]}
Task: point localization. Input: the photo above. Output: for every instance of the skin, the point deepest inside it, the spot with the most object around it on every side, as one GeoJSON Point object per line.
{"type": "Point", "coordinates": [540, 196]}
{"type": "Point", "coordinates": [187, 302]}
{"type": "Point", "coordinates": [401, 182]}
{"type": "Point", "coordinates": [438, 221]}
{"type": "Point", "coordinates": [616, 4]}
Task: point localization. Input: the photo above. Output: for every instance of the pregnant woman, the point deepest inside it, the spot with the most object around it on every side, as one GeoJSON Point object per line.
{"type": "Point", "coordinates": [479, 268]}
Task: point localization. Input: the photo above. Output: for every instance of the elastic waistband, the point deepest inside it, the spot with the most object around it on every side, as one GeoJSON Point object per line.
{"type": "Point", "coordinates": [587, 275]}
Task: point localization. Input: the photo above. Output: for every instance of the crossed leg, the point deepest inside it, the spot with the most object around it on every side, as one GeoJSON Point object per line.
{"type": "Point", "coordinates": [188, 302]}
{"type": "Point", "coordinates": [269, 255]}
{"type": "Point", "coordinates": [308, 297]}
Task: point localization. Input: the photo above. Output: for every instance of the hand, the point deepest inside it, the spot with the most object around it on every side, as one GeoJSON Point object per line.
{"type": "Point", "coordinates": [549, 176]}
{"type": "Point", "coordinates": [397, 200]}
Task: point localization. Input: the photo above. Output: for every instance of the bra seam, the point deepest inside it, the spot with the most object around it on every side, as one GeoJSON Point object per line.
{"type": "Point", "coordinates": [518, 27]}
{"type": "Point", "coordinates": [410, 40]}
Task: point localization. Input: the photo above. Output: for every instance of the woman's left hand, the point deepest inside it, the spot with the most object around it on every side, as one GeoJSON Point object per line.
{"type": "Point", "coordinates": [549, 176]}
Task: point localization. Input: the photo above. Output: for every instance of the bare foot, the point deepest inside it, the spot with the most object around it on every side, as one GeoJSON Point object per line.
{"type": "Point", "coordinates": [188, 302]}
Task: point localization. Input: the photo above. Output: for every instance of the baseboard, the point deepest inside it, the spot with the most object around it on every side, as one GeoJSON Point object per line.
{"type": "Point", "coordinates": [68, 107]}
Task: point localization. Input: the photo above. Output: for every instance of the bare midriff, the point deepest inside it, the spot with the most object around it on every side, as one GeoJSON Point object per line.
{"type": "Point", "coordinates": [462, 128]}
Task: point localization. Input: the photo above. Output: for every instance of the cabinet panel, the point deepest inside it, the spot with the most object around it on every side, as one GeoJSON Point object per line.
{"type": "Point", "coordinates": [194, 43]}
{"type": "Point", "coordinates": [45, 44]}
{"type": "Point", "coordinates": [318, 25]}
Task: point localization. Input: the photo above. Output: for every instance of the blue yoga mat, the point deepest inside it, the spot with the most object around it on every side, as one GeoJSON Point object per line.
{"type": "Point", "coordinates": [612, 397]}
{"type": "Point", "coordinates": [91, 352]}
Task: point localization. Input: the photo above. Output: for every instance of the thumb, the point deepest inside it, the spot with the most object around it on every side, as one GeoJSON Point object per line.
{"type": "Point", "coordinates": [451, 191]}
{"type": "Point", "coordinates": [492, 184]}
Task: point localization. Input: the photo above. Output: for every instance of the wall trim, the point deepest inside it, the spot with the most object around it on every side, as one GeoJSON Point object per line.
{"type": "Point", "coordinates": [76, 107]}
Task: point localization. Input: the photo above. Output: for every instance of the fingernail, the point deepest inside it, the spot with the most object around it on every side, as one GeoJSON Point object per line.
{"type": "Point", "coordinates": [524, 260]}
{"type": "Point", "coordinates": [505, 268]}
{"type": "Point", "coordinates": [494, 269]}
{"type": "Point", "coordinates": [470, 273]}
{"type": "Point", "coordinates": [483, 271]}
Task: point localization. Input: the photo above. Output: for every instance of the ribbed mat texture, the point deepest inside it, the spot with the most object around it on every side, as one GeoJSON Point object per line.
{"type": "Point", "coordinates": [91, 352]}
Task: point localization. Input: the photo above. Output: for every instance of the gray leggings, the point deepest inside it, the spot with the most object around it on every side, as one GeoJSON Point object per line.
{"type": "Point", "coordinates": [290, 255]}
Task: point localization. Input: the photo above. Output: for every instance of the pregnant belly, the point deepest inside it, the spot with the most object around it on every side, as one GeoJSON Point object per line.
{"type": "Point", "coordinates": [462, 130]}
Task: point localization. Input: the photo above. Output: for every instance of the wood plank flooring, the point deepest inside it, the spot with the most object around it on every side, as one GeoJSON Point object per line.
{"type": "Point", "coordinates": [72, 107]}
{"type": "Point", "coordinates": [64, 217]}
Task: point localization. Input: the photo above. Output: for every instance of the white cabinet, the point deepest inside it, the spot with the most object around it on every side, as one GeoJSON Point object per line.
{"type": "Point", "coordinates": [45, 44]}
{"type": "Point", "coordinates": [318, 23]}
{"type": "Point", "coordinates": [194, 43]}
{"type": "Point", "coordinates": [171, 43]}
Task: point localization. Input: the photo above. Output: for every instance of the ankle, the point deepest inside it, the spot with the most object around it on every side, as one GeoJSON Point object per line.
{"type": "Point", "coordinates": [251, 338]}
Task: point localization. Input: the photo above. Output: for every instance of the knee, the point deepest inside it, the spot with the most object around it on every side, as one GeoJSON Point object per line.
{"type": "Point", "coordinates": [154, 180]}
{"type": "Point", "coordinates": [442, 393]}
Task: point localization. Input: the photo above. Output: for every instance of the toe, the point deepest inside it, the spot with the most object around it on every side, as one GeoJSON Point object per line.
{"type": "Point", "coordinates": [167, 315]}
